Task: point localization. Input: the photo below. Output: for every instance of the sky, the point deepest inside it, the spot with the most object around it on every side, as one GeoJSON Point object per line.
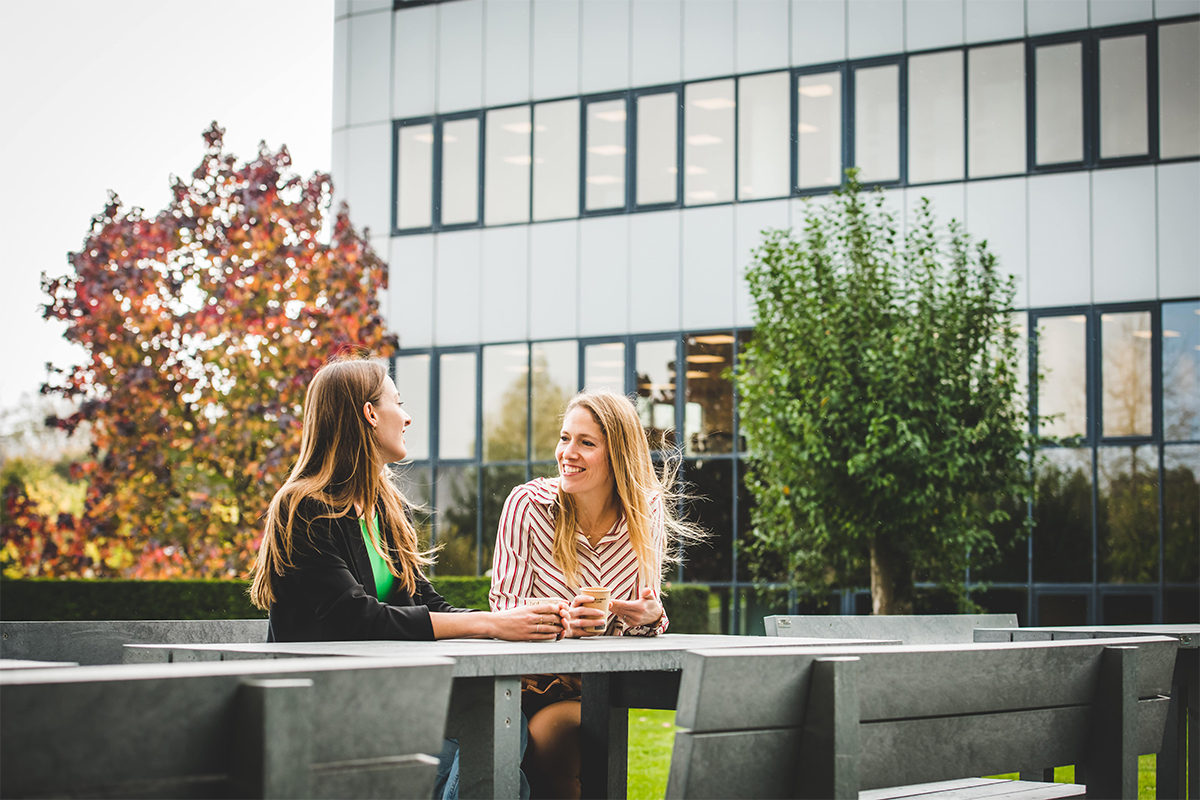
{"type": "Point", "coordinates": [99, 95]}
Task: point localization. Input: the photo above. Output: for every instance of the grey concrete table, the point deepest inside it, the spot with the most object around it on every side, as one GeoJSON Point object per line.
{"type": "Point", "coordinates": [485, 704]}
{"type": "Point", "coordinates": [24, 663]}
{"type": "Point", "coordinates": [1178, 763]}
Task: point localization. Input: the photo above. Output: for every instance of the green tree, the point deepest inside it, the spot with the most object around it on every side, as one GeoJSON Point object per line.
{"type": "Point", "coordinates": [203, 325]}
{"type": "Point", "coordinates": [881, 402]}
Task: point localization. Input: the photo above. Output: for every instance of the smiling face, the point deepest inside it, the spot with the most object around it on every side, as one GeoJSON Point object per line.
{"type": "Point", "coordinates": [582, 456]}
{"type": "Point", "coordinates": [389, 421]}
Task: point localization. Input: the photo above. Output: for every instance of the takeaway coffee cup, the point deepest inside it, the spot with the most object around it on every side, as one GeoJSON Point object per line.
{"type": "Point", "coordinates": [600, 601]}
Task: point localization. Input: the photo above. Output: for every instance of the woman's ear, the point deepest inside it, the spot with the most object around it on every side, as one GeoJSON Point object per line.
{"type": "Point", "coordinates": [369, 413]}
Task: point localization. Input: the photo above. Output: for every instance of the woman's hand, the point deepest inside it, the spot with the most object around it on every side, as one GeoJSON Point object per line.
{"type": "Point", "coordinates": [528, 623]}
{"type": "Point", "coordinates": [646, 610]}
{"type": "Point", "coordinates": [578, 619]}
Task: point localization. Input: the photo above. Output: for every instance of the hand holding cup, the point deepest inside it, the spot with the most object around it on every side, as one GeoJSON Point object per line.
{"type": "Point", "coordinates": [588, 615]}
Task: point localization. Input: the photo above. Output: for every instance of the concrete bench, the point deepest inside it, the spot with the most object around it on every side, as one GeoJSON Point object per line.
{"type": "Point", "coordinates": [321, 727]}
{"type": "Point", "coordinates": [101, 641]}
{"type": "Point", "coordinates": [909, 629]}
{"type": "Point", "coordinates": [834, 722]}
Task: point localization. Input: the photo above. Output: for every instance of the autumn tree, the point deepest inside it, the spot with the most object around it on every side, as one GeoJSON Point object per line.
{"type": "Point", "coordinates": [203, 325]}
{"type": "Point", "coordinates": [880, 399]}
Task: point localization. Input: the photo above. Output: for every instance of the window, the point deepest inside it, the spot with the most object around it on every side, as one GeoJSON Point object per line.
{"type": "Point", "coordinates": [996, 110]}
{"type": "Point", "coordinates": [414, 176]}
{"type": "Point", "coordinates": [708, 142]}
{"type": "Point", "coordinates": [1125, 374]}
{"type": "Point", "coordinates": [505, 402]}
{"type": "Point", "coordinates": [412, 381]}
{"type": "Point", "coordinates": [1058, 99]}
{"type": "Point", "coordinates": [1179, 90]}
{"type": "Point", "coordinates": [556, 160]}
{"type": "Point", "coordinates": [1062, 537]}
{"type": "Point", "coordinates": [506, 166]}
{"type": "Point", "coordinates": [764, 143]}
{"type": "Point", "coordinates": [657, 148]}
{"type": "Point", "coordinates": [1127, 514]}
{"type": "Point", "coordinates": [1124, 116]}
{"type": "Point", "coordinates": [819, 130]}
{"type": "Point", "coordinates": [605, 155]}
{"type": "Point", "coordinates": [1181, 520]}
{"type": "Point", "coordinates": [656, 381]}
{"type": "Point", "coordinates": [935, 117]}
{"type": "Point", "coordinates": [457, 390]}
{"type": "Point", "coordinates": [604, 367]}
{"type": "Point", "coordinates": [1062, 362]}
{"type": "Point", "coordinates": [708, 400]}
{"type": "Point", "coordinates": [460, 171]}
{"type": "Point", "coordinates": [554, 380]}
{"type": "Point", "coordinates": [877, 123]}
{"type": "Point", "coordinates": [1181, 371]}
{"type": "Point", "coordinates": [457, 520]}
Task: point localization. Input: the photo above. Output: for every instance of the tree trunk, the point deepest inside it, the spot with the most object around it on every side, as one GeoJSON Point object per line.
{"type": "Point", "coordinates": [891, 579]}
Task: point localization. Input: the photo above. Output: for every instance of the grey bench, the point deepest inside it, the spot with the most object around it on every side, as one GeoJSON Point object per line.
{"type": "Point", "coordinates": [909, 629]}
{"type": "Point", "coordinates": [101, 641]}
{"type": "Point", "coordinates": [321, 727]}
{"type": "Point", "coordinates": [834, 722]}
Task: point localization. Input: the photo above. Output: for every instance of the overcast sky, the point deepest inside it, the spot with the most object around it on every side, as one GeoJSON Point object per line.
{"type": "Point", "coordinates": [114, 94]}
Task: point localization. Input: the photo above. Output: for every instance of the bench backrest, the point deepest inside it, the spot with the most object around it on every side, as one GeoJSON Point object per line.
{"type": "Point", "coordinates": [321, 727]}
{"type": "Point", "coordinates": [909, 629]}
{"type": "Point", "coordinates": [831, 722]}
{"type": "Point", "coordinates": [101, 641]}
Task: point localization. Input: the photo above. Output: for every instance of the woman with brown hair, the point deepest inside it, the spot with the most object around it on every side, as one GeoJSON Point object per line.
{"type": "Point", "coordinates": [339, 558]}
{"type": "Point", "coordinates": [608, 520]}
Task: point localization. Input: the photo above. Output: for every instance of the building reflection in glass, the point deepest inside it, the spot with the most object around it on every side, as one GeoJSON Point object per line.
{"type": "Point", "coordinates": [1181, 371]}
{"type": "Point", "coordinates": [1181, 513]}
{"type": "Point", "coordinates": [555, 376]}
{"type": "Point", "coordinates": [457, 492]}
{"type": "Point", "coordinates": [505, 402]}
{"type": "Point", "coordinates": [1125, 374]}
{"type": "Point", "coordinates": [1062, 362]}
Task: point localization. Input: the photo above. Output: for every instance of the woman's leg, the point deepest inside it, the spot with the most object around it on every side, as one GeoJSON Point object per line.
{"type": "Point", "coordinates": [552, 760]}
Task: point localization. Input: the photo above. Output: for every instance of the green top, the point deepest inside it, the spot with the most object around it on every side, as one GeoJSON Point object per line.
{"type": "Point", "coordinates": [384, 579]}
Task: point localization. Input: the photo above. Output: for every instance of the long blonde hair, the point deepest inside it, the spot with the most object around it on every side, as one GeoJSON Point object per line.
{"type": "Point", "coordinates": [340, 464]}
{"type": "Point", "coordinates": [635, 483]}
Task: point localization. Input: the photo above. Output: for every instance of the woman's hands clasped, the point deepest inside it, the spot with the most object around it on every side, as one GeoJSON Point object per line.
{"type": "Point", "coordinates": [579, 619]}
{"type": "Point", "coordinates": [538, 623]}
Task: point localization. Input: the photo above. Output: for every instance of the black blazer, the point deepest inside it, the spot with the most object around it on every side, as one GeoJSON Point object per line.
{"type": "Point", "coordinates": [329, 594]}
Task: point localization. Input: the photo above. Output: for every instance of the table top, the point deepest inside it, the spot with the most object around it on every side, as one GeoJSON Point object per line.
{"type": "Point", "coordinates": [490, 657]}
{"type": "Point", "coordinates": [1187, 633]}
{"type": "Point", "coordinates": [23, 663]}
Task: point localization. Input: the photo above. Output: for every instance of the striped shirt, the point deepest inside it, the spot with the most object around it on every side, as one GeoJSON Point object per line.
{"type": "Point", "coordinates": [524, 565]}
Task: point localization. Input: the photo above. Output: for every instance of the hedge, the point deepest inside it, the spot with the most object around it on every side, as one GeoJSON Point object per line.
{"type": "Point", "coordinates": [49, 599]}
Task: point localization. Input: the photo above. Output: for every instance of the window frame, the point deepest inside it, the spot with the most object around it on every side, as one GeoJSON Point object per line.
{"type": "Point", "coordinates": [850, 114]}
{"type": "Point", "coordinates": [584, 102]}
{"type": "Point", "coordinates": [439, 164]}
{"type": "Point", "coordinates": [632, 146]}
{"type": "Point", "coordinates": [483, 134]}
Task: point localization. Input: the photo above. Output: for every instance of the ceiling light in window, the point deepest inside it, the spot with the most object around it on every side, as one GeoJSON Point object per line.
{"type": "Point", "coordinates": [696, 169]}
{"type": "Point", "coordinates": [1078, 318]}
{"type": "Point", "coordinates": [804, 127]}
{"type": "Point", "coordinates": [817, 90]}
{"type": "Point", "coordinates": [703, 139]}
{"type": "Point", "coordinates": [1170, 334]}
{"type": "Point", "coordinates": [702, 194]}
{"type": "Point", "coordinates": [698, 373]}
{"type": "Point", "coordinates": [716, 338]}
{"type": "Point", "coordinates": [521, 161]}
{"type": "Point", "coordinates": [616, 115]}
{"type": "Point", "coordinates": [606, 150]}
{"type": "Point", "coordinates": [672, 170]}
{"type": "Point", "coordinates": [704, 358]}
{"type": "Point", "coordinates": [449, 137]}
{"type": "Point", "coordinates": [714, 103]}
{"type": "Point", "coordinates": [423, 138]}
{"type": "Point", "coordinates": [1143, 334]}
{"type": "Point", "coordinates": [603, 180]}
{"type": "Point", "coordinates": [518, 127]}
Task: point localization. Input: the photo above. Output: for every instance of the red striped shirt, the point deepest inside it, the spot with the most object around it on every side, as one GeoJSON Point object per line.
{"type": "Point", "coordinates": [524, 565]}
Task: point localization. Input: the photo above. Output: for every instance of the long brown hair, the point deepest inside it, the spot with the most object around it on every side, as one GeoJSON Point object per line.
{"type": "Point", "coordinates": [635, 483]}
{"type": "Point", "coordinates": [340, 464]}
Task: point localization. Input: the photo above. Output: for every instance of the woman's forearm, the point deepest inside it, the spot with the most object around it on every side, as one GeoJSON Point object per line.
{"type": "Point", "coordinates": [447, 625]}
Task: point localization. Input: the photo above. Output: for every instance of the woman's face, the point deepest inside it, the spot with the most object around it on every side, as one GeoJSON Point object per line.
{"type": "Point", "coordinates": [390, 421]}
{"type": "Point", "coordinates": [582, 455]}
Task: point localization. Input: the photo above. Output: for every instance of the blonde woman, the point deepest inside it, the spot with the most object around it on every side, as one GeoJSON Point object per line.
{"type": "Point", "coordinates": [606, 520]}
{"type": "Point", "coordinates": [339, 558]}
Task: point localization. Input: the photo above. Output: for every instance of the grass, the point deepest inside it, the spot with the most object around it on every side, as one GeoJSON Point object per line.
{"type": "Point", "coordinates": [652, 735]}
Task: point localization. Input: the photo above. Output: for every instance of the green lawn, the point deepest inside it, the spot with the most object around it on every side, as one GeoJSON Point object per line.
{"type": "Point", "coordinates": [652, 734]}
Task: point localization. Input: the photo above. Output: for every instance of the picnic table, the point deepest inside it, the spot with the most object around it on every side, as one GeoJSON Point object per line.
{"type": "Point", "coordinates": [618, 673]}
{"type": "Point", "coordinates": [1178, 765]}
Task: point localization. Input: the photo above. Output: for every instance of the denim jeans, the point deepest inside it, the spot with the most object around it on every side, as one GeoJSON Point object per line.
{"type": "Point", "coordinates": [446, 786]}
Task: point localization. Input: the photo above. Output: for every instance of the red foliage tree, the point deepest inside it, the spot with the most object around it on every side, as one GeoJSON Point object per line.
{"type": "Point", "coordinates": [203, 326]}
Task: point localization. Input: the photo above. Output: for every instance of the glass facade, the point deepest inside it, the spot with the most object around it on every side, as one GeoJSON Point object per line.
{"type": "Point", "coordinates": [708, 124]}
{"type": "Point", "coordinates": [877, 123]}
{"type": "Point", "coordinates": [1058, 77]}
